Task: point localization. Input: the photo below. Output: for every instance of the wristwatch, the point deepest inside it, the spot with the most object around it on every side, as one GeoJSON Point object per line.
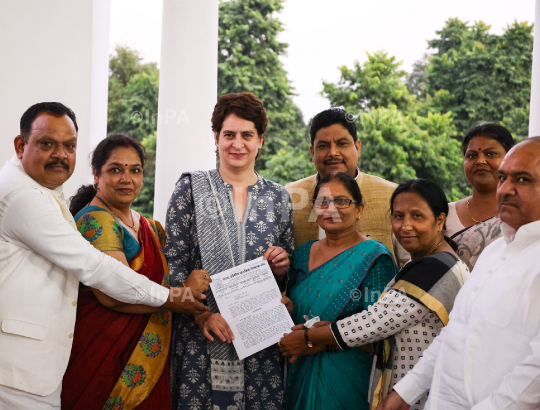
{"type": "Point", "coordinates": [309, 344]}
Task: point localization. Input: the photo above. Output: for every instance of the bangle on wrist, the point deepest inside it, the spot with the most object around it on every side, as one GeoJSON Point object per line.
{"type": "Point", "coordinates": [309, 344]}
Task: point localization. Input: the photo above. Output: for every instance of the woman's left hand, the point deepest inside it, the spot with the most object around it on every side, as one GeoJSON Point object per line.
{"type": "Point", "coordinates": [293, 345]}
{"type": "Point", "coordinates": [287, 302]}
{"type": "Point", "coordinates": [278, 259]}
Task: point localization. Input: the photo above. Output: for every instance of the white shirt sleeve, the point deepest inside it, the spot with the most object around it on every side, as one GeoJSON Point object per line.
{"type": "Point", "coordinates": [418, 379]}
{"type": "Point", "coordinates": [32, 221]}
{"type": "Point", "coordinates": [521, 388]}
{"type": "Point", "coordinates": [402, 256]}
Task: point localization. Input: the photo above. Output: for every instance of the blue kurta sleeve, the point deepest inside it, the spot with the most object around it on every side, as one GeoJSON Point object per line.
{"type": "Point", "coordinates": [181, 244]}
{"type": "Point", "coordinates": [286, 240]}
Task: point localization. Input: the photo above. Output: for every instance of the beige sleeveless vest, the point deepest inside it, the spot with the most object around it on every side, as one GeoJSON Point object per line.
{"type": "Point", "coordinates": [374, 222]}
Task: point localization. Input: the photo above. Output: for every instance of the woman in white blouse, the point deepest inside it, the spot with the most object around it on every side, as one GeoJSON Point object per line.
{"type": "Point", "coordinates": [414, 306]}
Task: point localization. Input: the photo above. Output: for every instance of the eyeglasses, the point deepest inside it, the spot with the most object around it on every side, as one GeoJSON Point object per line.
{"type": "Point", "coordinates": [341, 203]}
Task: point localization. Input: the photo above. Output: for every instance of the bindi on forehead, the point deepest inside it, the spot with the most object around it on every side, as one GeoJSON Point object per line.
{"type": "Point", "coordinates": [119, 164]}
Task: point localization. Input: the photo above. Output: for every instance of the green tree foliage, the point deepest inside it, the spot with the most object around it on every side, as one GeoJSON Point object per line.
{"type": "Point", "coordinates": [398, 146]}
{"type": "Point", "coordinates": [480, 76]}
{"type": "Point", "coordinates": [397, 142]}
{"type": "Point", "coordinates": [417, 79]}
{"type": "Point", "coordinates": [133, 105]}
{"type": "Point", "coordinates": [289, 164]}
{"type": "Point", "coordinates": [376, 83]}
{"type": "Point", "coordinates": [248, 60]}
{"type": "Point", "coordinates": [409, 125]}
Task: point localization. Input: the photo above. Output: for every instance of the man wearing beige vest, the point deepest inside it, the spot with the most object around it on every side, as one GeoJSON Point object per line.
{"type": "Point", "coordinates": [335, 147]}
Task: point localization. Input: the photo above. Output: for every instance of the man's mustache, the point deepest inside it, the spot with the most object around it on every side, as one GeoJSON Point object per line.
{"type": "Point", "coordinates": [57, 162]}
{"type": "Point", "coordinates": [508, 200]}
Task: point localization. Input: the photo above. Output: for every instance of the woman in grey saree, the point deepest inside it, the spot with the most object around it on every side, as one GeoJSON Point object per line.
{"type": "Point", "coordinates": [472, 222]}
{"type": "Point", "coordinates": [216, 220]}
{"type": "Point", "coordinates": [471, 241]}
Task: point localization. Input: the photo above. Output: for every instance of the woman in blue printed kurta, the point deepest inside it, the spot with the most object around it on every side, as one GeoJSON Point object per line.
{"type": "Point", "coordinates": [207, 230]}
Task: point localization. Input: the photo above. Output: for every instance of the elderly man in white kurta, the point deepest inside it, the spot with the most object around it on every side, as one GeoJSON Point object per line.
{"type": "Point", "coordinates": [42, 260]}
{"type": "Point", "coordinates": [488, 357]}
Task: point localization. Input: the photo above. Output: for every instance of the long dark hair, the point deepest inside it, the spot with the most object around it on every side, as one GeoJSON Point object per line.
{"type": "Point", "coordinates": [101, 154]}
{"type": "Point", "coordinates": [432, 193]}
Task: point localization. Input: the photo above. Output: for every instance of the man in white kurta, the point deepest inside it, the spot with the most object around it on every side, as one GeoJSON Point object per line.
{"type": "Point", "coordinates": [42, 259]}
{"type": "Point", "coordinates": [488, 357]}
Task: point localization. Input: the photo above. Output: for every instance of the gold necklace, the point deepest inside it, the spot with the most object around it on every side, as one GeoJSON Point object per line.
{"type": "Point", "coordinates": [114, 213]}
{"type": "Point", "coordinates": [436, 246]}
{"type": "Point", "coordinates": [469, 211]}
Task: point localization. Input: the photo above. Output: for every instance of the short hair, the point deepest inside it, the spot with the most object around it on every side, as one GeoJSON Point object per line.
{"type": "Point", "coordinates": [530, 140]}
{"type": "Point", "coordinates": [348, 182]}
{"type": "Point", "coordinates": [491, 130]}
{"type": "Point", "coordinates": [55, 109]}
{"type": "Point", "coordinates": [244, 105]}
{"type": "Point", "coordinates": [330, 117]}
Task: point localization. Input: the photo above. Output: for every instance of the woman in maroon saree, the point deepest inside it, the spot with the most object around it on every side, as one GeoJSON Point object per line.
{"type": "Point", "coordinates": [106, 341]}
{"type": "Point", "coordinates": [119, 358]}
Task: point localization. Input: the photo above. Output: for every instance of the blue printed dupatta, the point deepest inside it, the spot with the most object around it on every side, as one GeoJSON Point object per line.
{"type": "Point", "coordinates": [334, 380]}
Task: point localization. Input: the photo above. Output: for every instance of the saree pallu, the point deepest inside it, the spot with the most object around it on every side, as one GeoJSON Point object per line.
{"type": "Point", "coordinates": [334, 380]}
{"type": "Point", "coordinates": [432, 281]}
{"type": "Point", "coordinates": [119, 360]}
{"type": "Point", "coordinates": [472, 241]}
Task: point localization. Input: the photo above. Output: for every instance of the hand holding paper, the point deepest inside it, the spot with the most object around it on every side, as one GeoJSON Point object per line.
{"type": "Point", "coordinates": [249, 300]}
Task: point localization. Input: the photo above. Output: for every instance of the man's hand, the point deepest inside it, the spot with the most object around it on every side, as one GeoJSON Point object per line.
{"type": "Point", "coordinates": [186, 301]}
{"type": "Point", "coordinates": [214, 322]}
{"type": "Point", "coordinates": [278, 259]}
{"type": "Point", "coordinates": [198, 280]}
{"type": "Point", "coordinates": [393, 402]}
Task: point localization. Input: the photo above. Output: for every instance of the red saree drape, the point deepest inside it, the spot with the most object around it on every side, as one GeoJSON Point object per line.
{"type": "Point", "coordinates": [105, 339]}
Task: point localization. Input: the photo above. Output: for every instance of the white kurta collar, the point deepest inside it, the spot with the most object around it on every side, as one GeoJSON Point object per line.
{"type": "Point", "coordinates": [57, 193]}
{"type": "Point", "coordinates": [528, 231]}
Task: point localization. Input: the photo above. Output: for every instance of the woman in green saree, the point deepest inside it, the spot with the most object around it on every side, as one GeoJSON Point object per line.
{"type": "Point", "coordinates": [333, 278]}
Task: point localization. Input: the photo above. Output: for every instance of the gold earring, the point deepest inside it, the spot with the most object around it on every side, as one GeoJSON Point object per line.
{"type": "Point", "coordinates": [95, 186]}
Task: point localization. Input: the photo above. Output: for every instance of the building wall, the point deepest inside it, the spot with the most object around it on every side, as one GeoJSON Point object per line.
{"type": "Point", "coordinates": [55, 50]}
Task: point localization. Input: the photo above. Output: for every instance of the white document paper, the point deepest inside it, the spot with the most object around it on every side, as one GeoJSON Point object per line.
{"type": "Point", "coordinates": [249, 300]}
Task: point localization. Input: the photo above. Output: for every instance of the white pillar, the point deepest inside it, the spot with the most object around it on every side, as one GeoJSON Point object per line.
{"type": "Point", "coordinates": [534, 115]}
{"type": "Point", "coordinates": [101, 24]}
{"type": "Point", "coordinates": [55, 51]}
{"type": "Point", "coordinates": [187, 94]}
